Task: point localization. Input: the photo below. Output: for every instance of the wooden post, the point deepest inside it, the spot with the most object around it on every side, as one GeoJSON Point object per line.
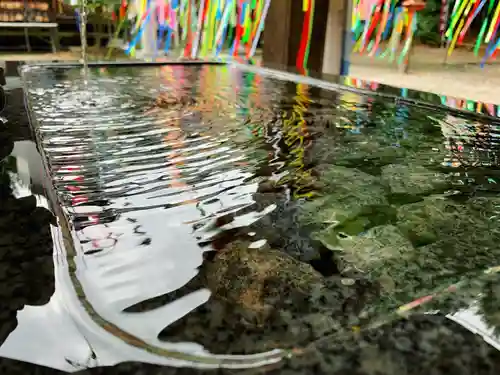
{"type": "Point", "coordinates": [338, 38]}
{"type": "Point", "coordinates": [98, 19]}
{"type": "Point", "coordinates": [331, 35]}
{"type": "Point", "coordinates": [149, 36]}
{"type": "Point", "coordinates": [283, 31]}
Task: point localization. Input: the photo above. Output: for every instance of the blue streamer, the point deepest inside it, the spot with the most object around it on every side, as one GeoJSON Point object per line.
{"type": "Point", "coordinates": [222, 39]}
{"type": "Point", "coordinates": [77, 16]}
{"type": "Point", "coordinates": [390, 20]}
{"type": "Point", "coordinates": [243, 12]}
{"type": "Point", "coordinates": [161, 33]}
{"type": "Point", "coordinates": [479, 8]}
{"type": "Point", "coordinates": [168, 40]}
{"type": "Point", "coordinates": [137, 36]}
{"type": "Point", "coordinates": [489, 51]}
{"type": "Point", "coordinates": [218, 14]}
{"type": "Point", "coordinates": [241, 20]}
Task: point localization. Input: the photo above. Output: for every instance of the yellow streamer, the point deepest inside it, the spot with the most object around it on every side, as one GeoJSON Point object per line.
{"type": "Point", "coordinates": [455, 37]}
{"type": "Point", "coordinates": [455, 18]}
{"type": "Point", "coordinates": [295, 129]}
{"type": "Point", "coordinates": [305, 5]}
{"type": "Point", "coordinates": [493, 22]}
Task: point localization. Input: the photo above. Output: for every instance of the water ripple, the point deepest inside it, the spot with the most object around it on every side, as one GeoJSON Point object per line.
{"type": "Point", "coordinates": [136, 167]}
{"type": "Point", "coordinates": [156, 169]}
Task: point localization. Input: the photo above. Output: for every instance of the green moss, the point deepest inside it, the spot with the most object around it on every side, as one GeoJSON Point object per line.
{"type": "Point", "coordinates": [419, 221]}
{"type": "Point", "coordinates": [412, 180]}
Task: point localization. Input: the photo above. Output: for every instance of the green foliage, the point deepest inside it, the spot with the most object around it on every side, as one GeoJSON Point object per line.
{"type": "Point", "coordinates": [93, 5]}
{"type": "Point", "coordinates": [428, 23]}
{"type": "Point", "coordinates": [96, 3]}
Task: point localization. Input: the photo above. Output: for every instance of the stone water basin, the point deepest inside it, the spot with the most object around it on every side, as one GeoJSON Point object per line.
{"type": "Point", "coordinates": [216, 216]}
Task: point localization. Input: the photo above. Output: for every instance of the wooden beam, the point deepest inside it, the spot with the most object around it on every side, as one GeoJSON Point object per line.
{"type": "Point", "coordinates": [338, 38]}
{"type": "Point", "coordinates": [148, 46]}
{"type": "Point", "coordinates": [40, 25]}
{"type": "Point", "coordinates": [276, 31]}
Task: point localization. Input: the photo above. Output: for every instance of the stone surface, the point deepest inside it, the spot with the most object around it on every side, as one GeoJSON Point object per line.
{"type": "Point", "coordinates": [412, 180]}
{"type": "Point", "coordinates": [269, 297]}
{"type": "Point", "coordinates": [375, 248]}
{"type": "Point", "coordinates": [348, 194]}
{"type": "Point", "coordinates": [420, 221]}
{"type": "Point", "coordinates": [253, 278]}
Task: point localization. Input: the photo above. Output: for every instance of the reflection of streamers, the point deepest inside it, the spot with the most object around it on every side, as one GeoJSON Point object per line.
{"type": "Point", "coordinates": [449, 101]}
{"type": "Point", "coordinates": [405, 310]}
{"type": "Point", "coordinates": [443, 292]}
{"type": "Point", "coordinates": [295, 135]}
{"type": "Point", "coordinates": [175, 137]}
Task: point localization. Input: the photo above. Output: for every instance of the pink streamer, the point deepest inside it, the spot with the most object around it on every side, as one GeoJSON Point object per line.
{"type": "Point", "coordinates": [173, 19]}
{"type": "Point", "coordinates": [161, 12]}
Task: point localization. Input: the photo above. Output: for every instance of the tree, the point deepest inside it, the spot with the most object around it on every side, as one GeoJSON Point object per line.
{"type": "Point", "coordinates": [428, 23]}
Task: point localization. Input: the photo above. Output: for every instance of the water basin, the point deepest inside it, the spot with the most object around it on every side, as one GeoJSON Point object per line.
{"type": "Point", "coordinates": [215, 216]}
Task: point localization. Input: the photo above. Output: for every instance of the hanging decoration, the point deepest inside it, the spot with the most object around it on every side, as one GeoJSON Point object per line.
{"type": "Point", "coordinates": [206, 28]}
{"type": "Point", "coordinates": [305, 42]}
{"type": "Point", "coordinates": [463, 13]}
{"type": "Point", "coordinates": [383, 29]}
{"type": "Point", "coordinates": [232, 28]}
{"type": "Point", "coordinates": [197, 28]}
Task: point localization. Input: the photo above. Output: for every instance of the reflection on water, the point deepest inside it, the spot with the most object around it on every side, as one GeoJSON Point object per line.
{"type": "Point", "coordinates": [212, 217]}
{"type": "Point", "coordinates": [26, 262]}
{"type": "Point", "coordinates": [453, 102]}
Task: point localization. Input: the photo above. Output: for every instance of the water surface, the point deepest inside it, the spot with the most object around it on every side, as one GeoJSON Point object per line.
{"type": "Point", "coordinates": [213, 217]}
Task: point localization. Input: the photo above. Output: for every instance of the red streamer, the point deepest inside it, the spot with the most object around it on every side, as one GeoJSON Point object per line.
{"type": "Point", "coordinates": [304, 41]}
{"type": "Point", "coordinates": [468, 23]}
{"type": "Point", "coordinates": [189, 42]}
{"type": "Point", "coordinates": [239, 34]}
{"type": "Point", "coordinates": [239, 31]}
{"type": "Point", "coordinates": [375, 21]}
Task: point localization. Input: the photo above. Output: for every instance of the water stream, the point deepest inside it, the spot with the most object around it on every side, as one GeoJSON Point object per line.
{"type": "Point", "coordinates": [83, 39]}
